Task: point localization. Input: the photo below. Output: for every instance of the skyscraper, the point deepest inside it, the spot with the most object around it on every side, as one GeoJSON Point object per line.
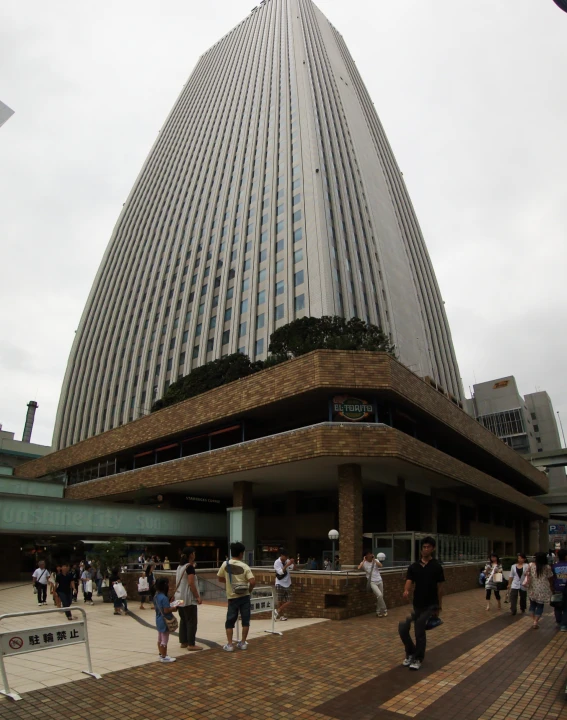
{"type": "Point", "coordinates": [270, 193]}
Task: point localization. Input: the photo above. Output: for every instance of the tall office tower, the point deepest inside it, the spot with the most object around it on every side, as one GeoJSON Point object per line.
{"type": "Point", "coordinates": [270, 193]}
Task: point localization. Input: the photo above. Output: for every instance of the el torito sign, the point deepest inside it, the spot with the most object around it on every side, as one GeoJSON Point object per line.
{"type": "Point", "coordinates": [351, 408]}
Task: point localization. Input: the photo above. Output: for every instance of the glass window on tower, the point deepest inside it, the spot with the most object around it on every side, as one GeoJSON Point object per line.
{"type": "Point", "coordinates": [259, 346]}
{"type": "Point", "coordinates": [299, 303]}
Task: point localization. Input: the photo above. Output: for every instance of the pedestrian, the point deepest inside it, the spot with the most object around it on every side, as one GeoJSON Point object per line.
{"type": "Point", "coordinates": [371, 566]}
{"type": "Point", "coordinates": [64, 586]}
{"type": "Point", "coordinates": [539, 581]}
{"type": "Point", "coordinates": [282, 566]}
{"type": "Point", "coordinates": [515, 588]}
{"type": "Point", "coordinates": [163, 612]}
{"type": "Point", "coordinates": [120, 603]}
{"type": "Point", "coordinates": [239, 581]}
{"type": "Point", "coordinates": [75, 572]}
{"type": "Point", "coordinates": [425, 577]}
{"type": "Point", "coordinates": [559, 570]}
{"type": "Point", "coordinates": [493, 573]}
{"type": "Point", "coordinates": [326, 564]}
{"type": "Point", "coordinates": [53, 585]}
{"type": "Point", "coordinates": [166, 563]}
{"type": "Point", "coordinates": [151, 579]}
{"type": "Point", "coordinates": [40, 578]}
{"type": "Point", "coordinates": [551, 556]}
{"type": "Point", "coordinates": [143, 590]}
{"type": "Point", "coordinates": [98, 579]}
{"type": "Point", "coordinates": [187, 590]}
{"type": "Point", "coordinates": [87, 580]}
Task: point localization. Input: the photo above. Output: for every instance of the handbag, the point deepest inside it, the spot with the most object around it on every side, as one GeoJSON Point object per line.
{"type": "Point", "coordinates": [143, 586]}
{"type": "Point", "coordinates": [89, 586]}
{"type": "Point", "coordinates": [120, 590]}
{"type": "Point", "coordinates": [171, 624]}
{"type": "Point", "coordinates": [556, 600]}
{"type": "Point", "coordinates": [498, 578]}
{"type": "Point", "coordinates": [238, 588]}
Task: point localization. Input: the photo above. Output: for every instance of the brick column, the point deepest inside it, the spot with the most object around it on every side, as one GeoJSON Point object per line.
{"type": "Point", "coordinates": [350, 515]}
{"type": "Point", "coordinates": [242, 494]}
{"type": "Point", "coordinates": [396, 507]}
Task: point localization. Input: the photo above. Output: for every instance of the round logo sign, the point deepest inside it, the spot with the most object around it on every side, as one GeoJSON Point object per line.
{"type": "Point", "coordinates": [16, 643]}
{"type": "Point", "coordinates": [351, 408]}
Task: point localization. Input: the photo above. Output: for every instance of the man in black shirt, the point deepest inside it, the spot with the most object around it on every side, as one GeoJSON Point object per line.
{"type": "Point", "coordinates": [425, 577]}
{"type": "Point", "coordinates": [65, 586]}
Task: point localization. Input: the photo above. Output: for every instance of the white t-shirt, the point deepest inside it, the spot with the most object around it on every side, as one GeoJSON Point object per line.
{"type": "Point", "coordinates": [279, 568]}
{"type": "Point", "coordinates": [41, 575]}
{"type": "Point", "coordinates": [368, 566]}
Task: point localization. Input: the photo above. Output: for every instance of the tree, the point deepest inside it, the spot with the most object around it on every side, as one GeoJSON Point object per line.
{"type": "Point", "coordinates": [327, 333]}
{"type": "Point", "coordinates": [206, 377]}
{"type": "Point", "coordinates": [110, 554]}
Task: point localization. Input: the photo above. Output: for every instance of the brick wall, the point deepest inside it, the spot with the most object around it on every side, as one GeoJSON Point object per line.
{"type": "Point", "coordinates": [330, 369]}
{"type": "Point", "coordinates": [335, 596]}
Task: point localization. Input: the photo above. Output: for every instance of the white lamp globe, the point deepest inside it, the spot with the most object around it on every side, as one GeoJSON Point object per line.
{"type": "Point", "coordinates": [381, 557]}
{"type": "Point", "coordinates": [333, 534]}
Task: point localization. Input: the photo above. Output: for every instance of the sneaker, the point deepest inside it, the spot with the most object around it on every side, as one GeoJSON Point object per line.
{"type": "Point", "coordinates": [415, 665]}
{"type": "Point", "coordinates": [184, 645]}
{"type": "Point", "coordinates": [379, 614]}
{"type": "Point", "coordinates": [563, 628]}
{"type": "Point", "coordinates": [228, 648]}
{"type": "Point", "coordinates": [385, 613]}
{"type": "Point", "coordinates": [242, 645]}
{"type": "Point", "coordinates": [408, 661]}
{"type": "Point", "coordinates": [282, 618]}
{"type": "Point", "coordinates": [166, 659]}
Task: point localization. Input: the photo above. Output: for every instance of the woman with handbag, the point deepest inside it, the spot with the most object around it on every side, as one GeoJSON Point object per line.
{"type": "Point", "coordinates": [165, 622]}
{"type": "Point", "coordinates": [494, 578]}
{"type": "Point", "coordinates": [118, 593]}
{"type": "Point", "coordinates": [539, 581]}
{"type": "Point", "coordinates": [143, 590]}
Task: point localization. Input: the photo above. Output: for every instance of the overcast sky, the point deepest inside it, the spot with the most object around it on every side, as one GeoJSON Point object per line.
{"type": "Point", "coordinates": [472, 96]}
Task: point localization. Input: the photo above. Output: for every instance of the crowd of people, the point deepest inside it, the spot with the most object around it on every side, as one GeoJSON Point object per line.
{"type": "Point", "coordinates": [542, 581]}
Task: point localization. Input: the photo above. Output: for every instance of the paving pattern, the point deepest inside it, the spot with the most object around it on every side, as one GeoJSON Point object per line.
{"type": "Point", "coordinates": [479, 666]}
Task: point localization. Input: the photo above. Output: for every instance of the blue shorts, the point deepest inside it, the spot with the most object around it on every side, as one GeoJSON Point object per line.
{"type": "Point", "coordinates": [536, 608]}
{"type": "Point", "coordinates": [242, 605]}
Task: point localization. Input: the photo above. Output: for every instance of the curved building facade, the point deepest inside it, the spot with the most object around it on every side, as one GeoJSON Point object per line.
{"type": "Point", "coordinates": [270, 193]}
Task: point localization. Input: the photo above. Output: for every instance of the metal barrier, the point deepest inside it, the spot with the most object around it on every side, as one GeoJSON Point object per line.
{"type": "Point", "coordinates": [18, 642]}
{"type": "Point", "coordinates": [262, 599]}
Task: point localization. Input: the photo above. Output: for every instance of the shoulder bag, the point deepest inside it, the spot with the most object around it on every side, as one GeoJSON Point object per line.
{"type": "Point", "coordinates": [172, 623]}
{"type": "Point", "coordinates": [238, 588]}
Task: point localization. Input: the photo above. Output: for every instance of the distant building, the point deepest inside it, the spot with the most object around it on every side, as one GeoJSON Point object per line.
{"type": "Point", "coordinates": [527, 424]}
{"type": "Point", "coordinates": [15, 452]}
{"type": "Point", "coordinates": [5, 113]}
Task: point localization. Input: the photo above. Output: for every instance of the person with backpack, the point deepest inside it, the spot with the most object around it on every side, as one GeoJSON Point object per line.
{"type": "Point", "coordinates": [559, 570]}
{"type": "Point", "coordinates": [187, 591]}
{"type": "Point", "coordinates": [165, 622]}
{"type": "Point", "coordinates": [40, 578]}
{"type": "Point", "coordinates": [283, 582]}
{"type": "Point", "coordinates": [371, 566]}
{"type": "Point", "coordinates": [239, 581]}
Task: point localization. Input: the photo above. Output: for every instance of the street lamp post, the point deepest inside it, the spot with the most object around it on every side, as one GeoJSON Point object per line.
{"type": "Point", "coordinates": [333, 536]}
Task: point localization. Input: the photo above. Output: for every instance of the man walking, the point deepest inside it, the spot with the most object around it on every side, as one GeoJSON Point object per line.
{"type": "Point", "coordinates": [186, 589]}
{"type": "Point", "coordinates": [283, 582]}
{"type": "Point", "coordinates": [371, 566]}
{"type": "Point", "coordinates": [425, 576]}
{"type": "Point", "coordinates": [239, 581]}
{"type": "Point", "coordinates": [40, 577]}
{"type": "Point", "coordinates": [559, 570]}
{"type": "Point", "coordinates": [64, 586]}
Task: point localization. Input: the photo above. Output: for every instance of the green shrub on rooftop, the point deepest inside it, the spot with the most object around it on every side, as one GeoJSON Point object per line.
{"type": "Point", "coordinates": [289, 341]}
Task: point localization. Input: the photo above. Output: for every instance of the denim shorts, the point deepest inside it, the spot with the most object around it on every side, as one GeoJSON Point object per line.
{"type": "Point", "coordinates": [536, 608]}
{"type": "Point", "coordinates": [242, 605]}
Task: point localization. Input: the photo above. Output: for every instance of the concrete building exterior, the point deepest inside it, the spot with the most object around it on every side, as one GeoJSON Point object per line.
{"type": "Point", "coordinates": [271, 193]}
{"type": "Point", "coordinates": [332, 439]}
{"type": "Point", "coordinates": [15, 452]}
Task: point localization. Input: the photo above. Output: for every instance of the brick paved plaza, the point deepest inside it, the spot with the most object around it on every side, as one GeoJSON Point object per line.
{"type": "Point", "coordinates": [479, 666]}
